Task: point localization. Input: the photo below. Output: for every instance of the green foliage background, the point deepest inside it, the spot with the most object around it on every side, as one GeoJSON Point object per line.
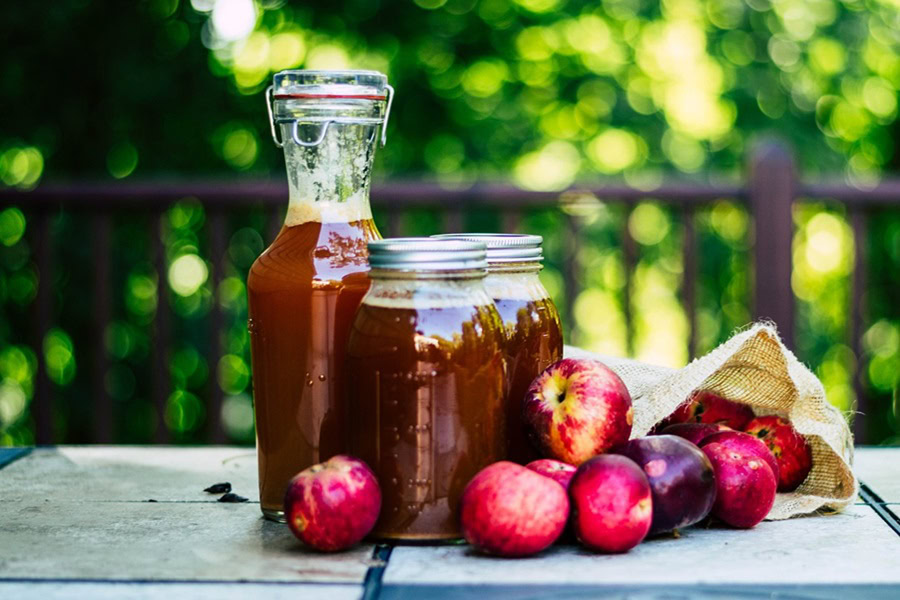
{"type": "Point", "coordinates": [540, 92]}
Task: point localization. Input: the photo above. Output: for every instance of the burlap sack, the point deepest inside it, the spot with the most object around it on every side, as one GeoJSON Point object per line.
{"type": "Point", "coordinates": [754, 367]}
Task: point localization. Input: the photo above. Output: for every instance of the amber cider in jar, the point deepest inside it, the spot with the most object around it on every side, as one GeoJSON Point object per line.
{"type": "Point", "coordinates": [303, 291]}
{"type": "Point", "coordinates": [426, 389]}
{"type": "Point", "coordinates": [534, 338]}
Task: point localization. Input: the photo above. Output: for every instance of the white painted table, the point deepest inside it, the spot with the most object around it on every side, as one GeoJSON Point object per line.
{"type": "Point", "coordinates": [133, 522]}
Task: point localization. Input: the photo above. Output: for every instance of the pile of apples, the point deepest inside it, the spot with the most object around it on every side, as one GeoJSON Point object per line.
{"type": "Point", "coordinates": [712, 456]}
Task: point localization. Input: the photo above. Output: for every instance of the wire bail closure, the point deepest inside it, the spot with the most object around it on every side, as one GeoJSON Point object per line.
{"type": "Point", "coordinates": [324, 122]}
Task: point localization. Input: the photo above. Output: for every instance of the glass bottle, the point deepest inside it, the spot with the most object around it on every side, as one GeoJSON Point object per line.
{"type": "Point", "coordinates": [534, 338]}
{"type": "Point", "coordinates": [427, 400]}
{"type": "Point", "coordinates": [304, 289]}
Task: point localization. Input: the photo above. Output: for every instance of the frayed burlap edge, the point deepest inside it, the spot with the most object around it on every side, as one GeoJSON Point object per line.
{"type": "Point", "coordinates": [755, 368]}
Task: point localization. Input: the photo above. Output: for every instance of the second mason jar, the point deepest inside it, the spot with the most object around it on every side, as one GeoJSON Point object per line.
{"type": "Point", "coordinates": [534, 338]}
{"type": "Point", "coordinates": [426, 382]}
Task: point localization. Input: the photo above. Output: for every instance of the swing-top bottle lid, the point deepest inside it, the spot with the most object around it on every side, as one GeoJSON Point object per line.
{"type": "Point", "coordinates": [321, 98]}
{"type": "Point", "coordinates": [338, 85]}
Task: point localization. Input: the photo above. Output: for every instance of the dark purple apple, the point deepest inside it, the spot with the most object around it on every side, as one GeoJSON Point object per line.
{"type": "Point", "coordinates": [681, 479]}
{"type": "Point", "coordinates": [694, 432]}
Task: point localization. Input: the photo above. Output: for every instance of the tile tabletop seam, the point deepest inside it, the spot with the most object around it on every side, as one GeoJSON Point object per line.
{"type": "Point", "coordinates": [381, 555]}
{"type": "Point", "coordinates": [10, 455]}
{"type": "Point", "coordinates": [146, 580]}
{"type": "Point", "coordinates": [880, 507]}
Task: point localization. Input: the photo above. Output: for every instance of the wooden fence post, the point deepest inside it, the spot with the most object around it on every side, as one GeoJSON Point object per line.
{"type": "Point", "coordinates": [772, 186]}
{"type": "Point", "coordinates": [42, 404]}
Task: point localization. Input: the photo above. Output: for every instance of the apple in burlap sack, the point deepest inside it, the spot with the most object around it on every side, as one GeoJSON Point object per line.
{"type": "Point", "coordinates": [706, 407]}
{"type": "Point", "coordinates": [791, 450]}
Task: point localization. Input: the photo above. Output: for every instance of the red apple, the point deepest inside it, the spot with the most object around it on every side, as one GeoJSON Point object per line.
{"type": "Point", "coordinates": [611, 503]}
{"type": "Point", "coordinates": [746, 444]}
{"type": "Point", "coordinates": [333, 505]}
{"type": "Point", "coordinates": [706, 407]}
{"type": "Point", "coordinates": [576, 409]}
{"type": "Point", "coordinates": [694, 432]}
{"type": "Point", "coordinates": [559, 472]}
{"type": "Point", "coordinates": [745, 486]}
{"type": "Point", "coordinates": [681, 479]}
{"type": "Point", "coordinates": [508, 510]}
{"type": "Point", "coordinates": [791, 450]}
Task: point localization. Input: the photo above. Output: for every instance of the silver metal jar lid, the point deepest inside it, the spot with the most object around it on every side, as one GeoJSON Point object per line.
{"type": "Point", "coordinates": [503, 247]}
{"type": "Point", "coordinates": [426, 254]}
{"type": "Point", "coordinates": [303, 97]}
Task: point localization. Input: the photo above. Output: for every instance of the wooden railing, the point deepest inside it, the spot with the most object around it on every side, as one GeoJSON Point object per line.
{"type": "Point", "coordinates": [769, 193]}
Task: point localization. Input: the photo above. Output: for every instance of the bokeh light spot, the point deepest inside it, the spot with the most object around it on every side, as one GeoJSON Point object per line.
{"type": "Point", "coordinates": [614, 150]}
{"type": "Point", "coordinates": [648, 224]}
{"type": "Point", "coordinates": [187, 273]}
{"type": "Point", "coordinates": [536, 43]}
{"type": "Point", "coordinates": [251, 60]}
{"type": "Point", "coordinates": [827, 56]}
{"type": "Point", "coordinates": [17, 364]}
{"type": "Point", "coordinates": [327, 56]}
{"type": "Point", "coordinates": [849, 122]}
{"type": "Point", "coordinates": [880, 97]}
{"type": "Point", "coordinates": [21, 167]}
{"type": "Point", "coordinates": [729, 222]}
{"type": "Point", "coordinates": [59, 357]}
{"type": "Point", "coordinates": [551, 168]}
{"type": "Point", "coordinates": [485, 78]}
{"type": "Point", "coordinates": [233, 19]}
{"type": "Point", "coordinates": [233, 374]}
{"type": "Point", "coordinates": [286, 50]}
{"type": "Point", "coordinates": [685, 152]}
{"type": "Point", "coordinates": [122, 160]}
{"type": "Point", "coordinates": [240, 148]}
{"type": "Point", "coordinates": [882, 338]}
{"type": "Point", "coordinates": [12, 226]}
{"type": "Point", "coordinates": [184, 412]}
{"type": "Point", "coordinates": [237, 416]}
{"type": "Point", "coordinates": [12, 403]}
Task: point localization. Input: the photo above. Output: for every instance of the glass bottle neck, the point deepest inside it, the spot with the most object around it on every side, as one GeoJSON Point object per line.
{"type": "Point", "coordinates": [329, 180]}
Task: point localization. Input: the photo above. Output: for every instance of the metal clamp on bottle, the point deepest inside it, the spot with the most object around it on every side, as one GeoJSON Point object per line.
{"type": "Point", "coordinates": [323, 122]}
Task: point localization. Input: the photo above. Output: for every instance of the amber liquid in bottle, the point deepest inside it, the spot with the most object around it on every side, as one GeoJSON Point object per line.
{"type": "Point", "coordinates": [534, 341]}
{"type": "Point", "coordinates": [303, 292]}
{"type": "Point", "coordinates": [305, 288]}
{"type": "Point", "coordinates": [426, 405]}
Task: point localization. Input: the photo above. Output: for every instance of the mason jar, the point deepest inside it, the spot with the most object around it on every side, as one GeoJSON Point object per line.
{"type": "Point", "coordinates": [426, 399]}
{"type": "Point", "coordinates": [534, 338]}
